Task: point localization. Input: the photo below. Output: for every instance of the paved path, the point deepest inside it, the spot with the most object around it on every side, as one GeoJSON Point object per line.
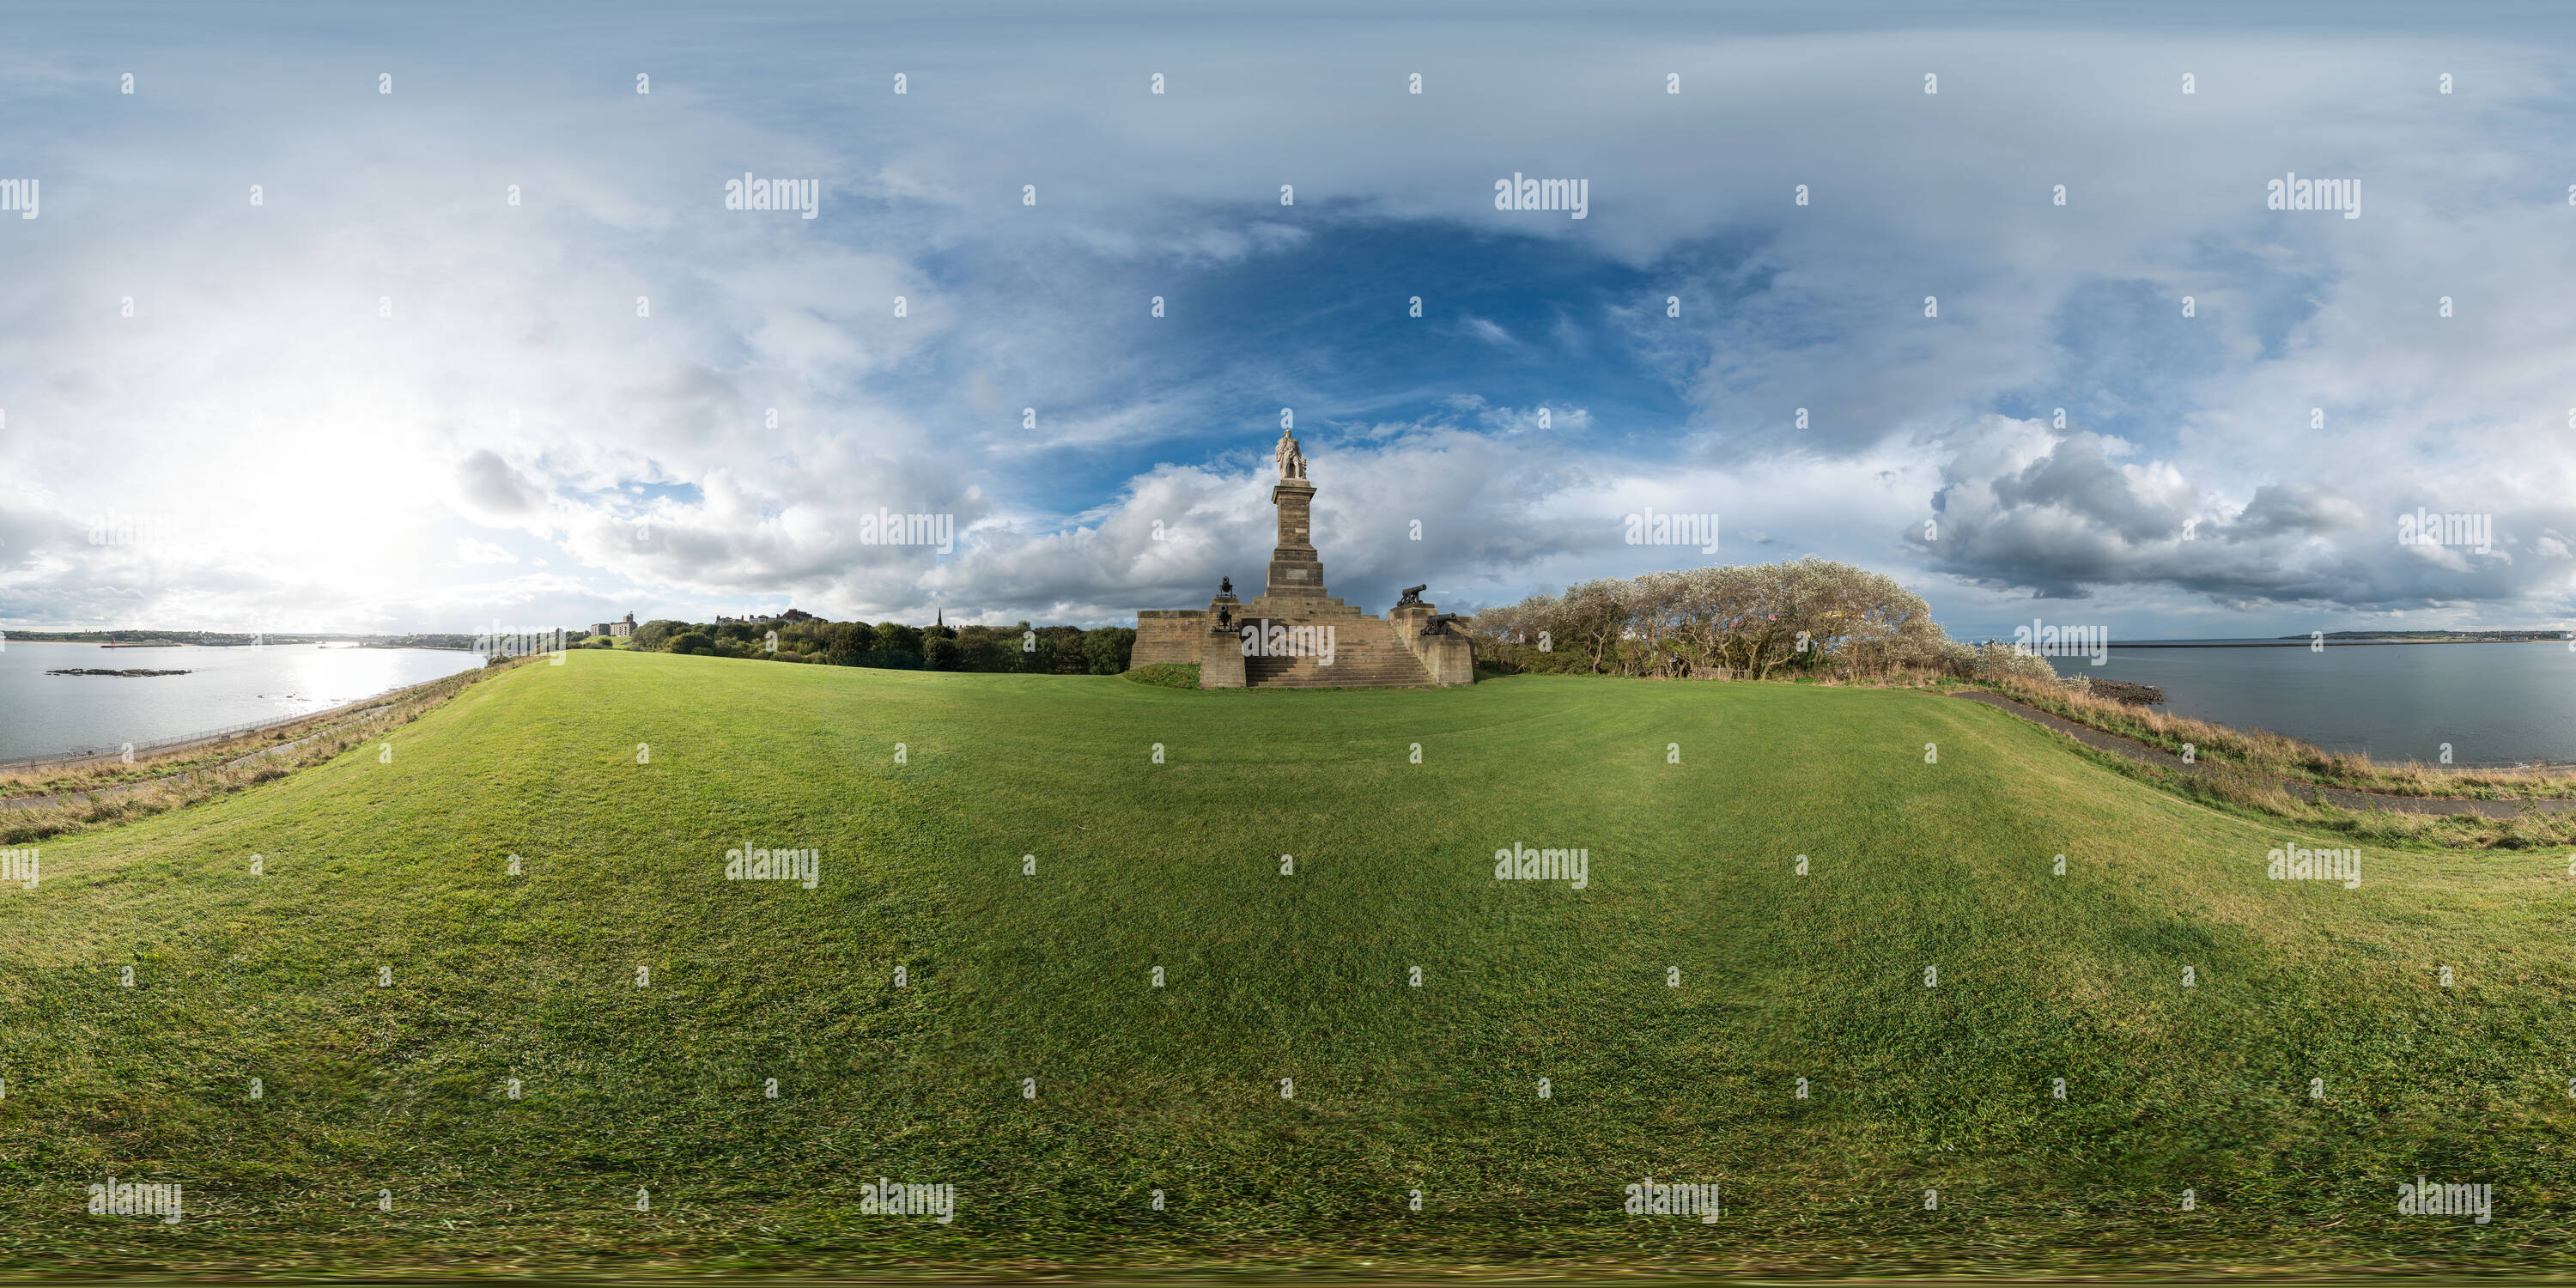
{"type": "Point", "coordinates": [2337, 796]}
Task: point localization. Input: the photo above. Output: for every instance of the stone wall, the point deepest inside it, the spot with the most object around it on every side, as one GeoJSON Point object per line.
{"type": "Point", "coordinates": [1223, 667]}
{"type": "Point", "coordinates": [1450, 658]}
{"type": "Point", "coordinates": [1175, 635]}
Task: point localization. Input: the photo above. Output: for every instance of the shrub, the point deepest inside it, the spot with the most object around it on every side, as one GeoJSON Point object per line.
{"type": "Point", "coordinates": [1996, 661]}
{"type": "Point", "coordinates": [1109, 649]}
{"type": "Point", "coordinates": [1169, 675]}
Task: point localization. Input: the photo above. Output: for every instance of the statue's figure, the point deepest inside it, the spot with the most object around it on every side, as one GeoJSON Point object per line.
{"type": "Point", "coordinates": [1292, 462]}
{"type": "Point", "coordinates": [1412, 595]}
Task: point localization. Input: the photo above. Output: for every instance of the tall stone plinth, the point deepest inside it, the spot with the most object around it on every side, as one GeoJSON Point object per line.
{"type": "Point", "coordinates": [1296, 570]}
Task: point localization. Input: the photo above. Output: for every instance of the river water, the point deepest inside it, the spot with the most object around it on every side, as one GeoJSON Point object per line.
{"type": "Point", "coordinates": [2493, 703]}
{"type": "Point", "coordinates": [45, 715]}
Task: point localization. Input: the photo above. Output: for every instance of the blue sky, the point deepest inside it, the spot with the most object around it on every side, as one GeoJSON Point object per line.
{"type": "Point", "coordinates": [384, 398]}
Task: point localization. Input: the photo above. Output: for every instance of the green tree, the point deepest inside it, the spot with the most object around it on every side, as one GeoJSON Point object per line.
{"type": "Point", "coordinates": [1108, 649]}
{"type": "Point", "coordinates": [656, 633]}
{"type": "Point", "coordinates": [895, 637]}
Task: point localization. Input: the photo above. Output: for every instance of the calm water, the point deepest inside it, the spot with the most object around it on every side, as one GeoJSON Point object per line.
{"type": "Point", "coordinates": [43, 715]}
{"type": "Point", "coordinates": [2494, 703]}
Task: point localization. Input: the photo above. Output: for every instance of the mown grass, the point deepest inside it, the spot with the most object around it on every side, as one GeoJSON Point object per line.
{"type": "Point", "coordinates": [402, 865]}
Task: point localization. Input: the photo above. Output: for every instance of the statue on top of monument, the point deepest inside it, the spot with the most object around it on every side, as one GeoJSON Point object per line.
{"type": "Point", "coordinates": [1292, 462]}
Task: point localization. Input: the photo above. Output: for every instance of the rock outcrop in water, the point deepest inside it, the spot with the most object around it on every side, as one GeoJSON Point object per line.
{"type": "Point", "coordinates": [2138, 695]}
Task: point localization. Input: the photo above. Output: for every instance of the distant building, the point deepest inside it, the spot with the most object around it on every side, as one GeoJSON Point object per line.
{"type": "Point", "coordinates": [620, 630]}
{"type": "Point", "coordinates": [797, 615]}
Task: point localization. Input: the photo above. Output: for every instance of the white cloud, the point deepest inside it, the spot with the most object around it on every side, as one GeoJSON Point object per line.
{"type": "Point", "coordinates": [471, 551]}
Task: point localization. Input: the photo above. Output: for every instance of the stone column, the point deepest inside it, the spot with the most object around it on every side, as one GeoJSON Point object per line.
{"type": "Point", "coordinates": [1295, 569]}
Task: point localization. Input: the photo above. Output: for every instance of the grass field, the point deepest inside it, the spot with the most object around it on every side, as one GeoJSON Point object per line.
{"type": "Point", "coordinates": [395, 866]}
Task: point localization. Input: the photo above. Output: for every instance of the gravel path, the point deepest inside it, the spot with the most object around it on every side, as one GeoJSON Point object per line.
{"type": "Point", "coordinates": [2336, 796]}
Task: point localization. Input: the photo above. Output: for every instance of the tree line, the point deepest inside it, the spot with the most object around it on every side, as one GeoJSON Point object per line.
{"type": "Point", "coordinates": [1021, 649]}
{"type": "Point", "coordinates": [1809, 617]}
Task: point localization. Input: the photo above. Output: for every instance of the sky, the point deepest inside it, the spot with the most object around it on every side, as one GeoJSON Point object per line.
{"type": "Point", "coordinates": [435, 318]}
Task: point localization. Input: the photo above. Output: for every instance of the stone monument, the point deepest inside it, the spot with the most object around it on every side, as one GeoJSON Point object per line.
{"type": "Point", "coordinates": [1295, 634]}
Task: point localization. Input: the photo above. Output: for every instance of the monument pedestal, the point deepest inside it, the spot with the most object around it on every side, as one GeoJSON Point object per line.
{"type": "Point", "coordinates": [1296, 570]}
{"type": "Point", "coordinates": [1300, 637]}
{"type": "Point", "coordinates": [1450, 658]}
{"type": "Point", "coordinates": [1221, 662]}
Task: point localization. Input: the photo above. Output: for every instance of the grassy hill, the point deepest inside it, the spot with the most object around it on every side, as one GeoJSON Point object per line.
{"type": "Point", "coordinates": [396, 867]}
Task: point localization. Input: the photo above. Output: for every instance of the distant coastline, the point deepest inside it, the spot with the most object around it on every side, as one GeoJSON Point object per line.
{"type": "Point", "coordinates": [2353, 637]}
{"type": "Point", "coordinates": [224, 639]}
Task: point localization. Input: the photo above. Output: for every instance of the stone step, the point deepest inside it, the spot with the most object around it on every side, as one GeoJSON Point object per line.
{"type": "Point", "coordinates": [1380, 665]}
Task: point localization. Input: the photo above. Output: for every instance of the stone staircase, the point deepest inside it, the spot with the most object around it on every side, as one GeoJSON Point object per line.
{"type": "Point", "coordinates": [1366, 654]}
